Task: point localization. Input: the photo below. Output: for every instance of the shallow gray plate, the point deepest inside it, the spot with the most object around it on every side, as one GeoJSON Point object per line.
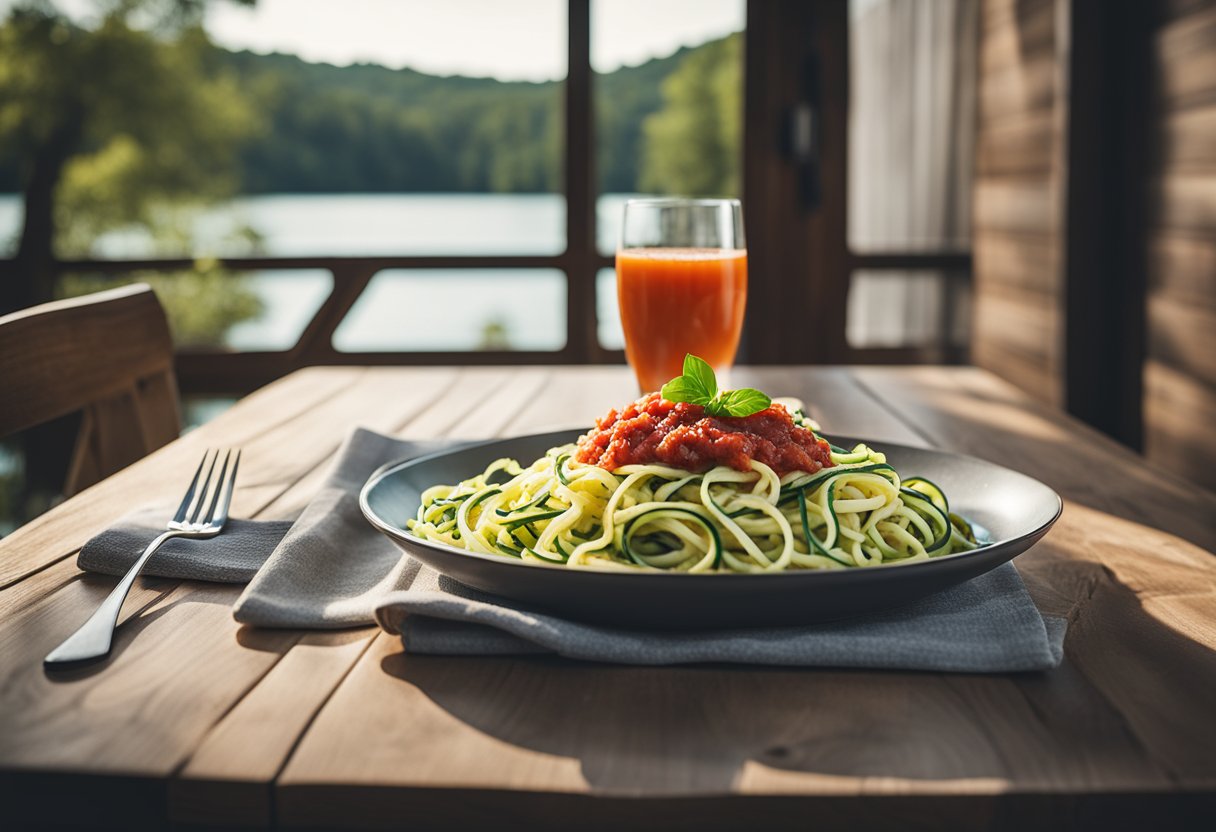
{"type": "Point", "coordinates": [1014, 509]}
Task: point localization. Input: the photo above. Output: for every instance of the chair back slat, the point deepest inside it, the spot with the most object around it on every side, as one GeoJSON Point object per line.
{"type": "Point", "coordinates": [109, 355]}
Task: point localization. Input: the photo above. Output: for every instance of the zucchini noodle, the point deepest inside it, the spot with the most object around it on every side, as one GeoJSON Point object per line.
{"type": "Point", "coordinates": [856, 513]}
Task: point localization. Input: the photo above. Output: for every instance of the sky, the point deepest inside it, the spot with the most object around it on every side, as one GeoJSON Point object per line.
{"type": "Point", "coordinates": [517, 40]}
{"type": "Point", "coordinates": [513, 40]}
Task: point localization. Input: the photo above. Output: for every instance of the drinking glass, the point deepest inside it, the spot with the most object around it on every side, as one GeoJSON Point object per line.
{"type": "Point", "coordinates": [681, 279]}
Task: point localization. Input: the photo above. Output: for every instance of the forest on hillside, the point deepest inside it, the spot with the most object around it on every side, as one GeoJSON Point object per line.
{"type": "Point", "coordinates": [138, 123]}
{"type": "Point", "coordinates": [368, 128]}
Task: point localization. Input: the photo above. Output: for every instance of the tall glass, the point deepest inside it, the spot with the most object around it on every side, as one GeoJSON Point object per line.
{"type": "Point", "coordinates": [681, 279]}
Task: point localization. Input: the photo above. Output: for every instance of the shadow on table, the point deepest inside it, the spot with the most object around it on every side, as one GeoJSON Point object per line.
{"type": "Point", "coordinates": [171, 596]}
{"type": "Point", "coordinates": [698, 729]}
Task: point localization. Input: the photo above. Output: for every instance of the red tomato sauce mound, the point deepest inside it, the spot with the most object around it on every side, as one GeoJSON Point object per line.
{"type": "Point", "coordinates": [654, 430]}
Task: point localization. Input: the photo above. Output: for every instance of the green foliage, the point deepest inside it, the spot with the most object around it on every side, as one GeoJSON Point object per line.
{"type": "Point", "coordinates": [698, 384]}
{"type": "Point", "coordinates": [290, 126]}
{"type": "Point", "coordinates": [368, 128]}
{"type": "Point", "coordinates": [691, 145]}
{"type": "Point", "coordinates": [623, 100]}
{"type": "Point", "coordinates": [201, 305]}
{"type": "Point", "coordinates": [115, 82]}
{"type": "Point", "coordinates": [133, 127]}
{"type": "Point", "coordinates": [173, 141]}
{"type": "Point", "coordinates": [495, 335]}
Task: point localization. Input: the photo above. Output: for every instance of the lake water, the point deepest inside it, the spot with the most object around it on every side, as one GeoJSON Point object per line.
{"type": "Point", "coordinates": [401, 310]}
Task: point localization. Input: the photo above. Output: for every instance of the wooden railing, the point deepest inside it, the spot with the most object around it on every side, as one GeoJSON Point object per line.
{"type": "Point", "coordinates": [231, 372]}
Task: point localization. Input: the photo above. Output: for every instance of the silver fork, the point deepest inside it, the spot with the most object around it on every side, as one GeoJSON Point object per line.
{"type": "Point", "coordinates": [92, 640]}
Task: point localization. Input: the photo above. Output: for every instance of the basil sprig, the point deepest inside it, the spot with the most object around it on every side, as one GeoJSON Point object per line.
{"type": "Point", "coordinates": [699, 385]}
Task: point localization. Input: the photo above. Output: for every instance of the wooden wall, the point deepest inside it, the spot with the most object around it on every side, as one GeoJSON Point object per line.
{"type": "Point", "coordinates": [1017, 222]}
{"type": "Point", "coordinates": [1180, 343]}
{"type": "Point", "coordinates": [1095, 216]}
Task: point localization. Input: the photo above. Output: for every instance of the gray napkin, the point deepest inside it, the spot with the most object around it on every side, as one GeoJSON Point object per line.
{"type": "Point", "coordinates": [326, 570]}
{"type": "Point", "coordinates": [232, 558]}
{"type": "Point", "coordinates": [986, 625]}
{"type": "Point", "coordinates": [331, 569]}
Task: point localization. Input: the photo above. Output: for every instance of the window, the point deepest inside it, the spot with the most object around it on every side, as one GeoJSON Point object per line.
{"type": "Point", "coordinates": [455, 144]}
{"type": "Point", "coordinates": [668, 89]}
{"type": "Point", "coordinates": [912, 88]}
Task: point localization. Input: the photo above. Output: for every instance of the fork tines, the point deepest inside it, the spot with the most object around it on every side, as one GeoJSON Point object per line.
{"type": "Point", "coordinates": [213, 492]}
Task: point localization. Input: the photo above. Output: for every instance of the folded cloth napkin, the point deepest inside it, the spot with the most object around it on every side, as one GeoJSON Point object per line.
{"type": "Point", "coordinates": [326, 570]}
{"type": "Point", "coordinates": [232, 558]}
{"type": "Point", "coordinates": [986, 625]}
{"type": "Point", "coordinates": [331, 569]}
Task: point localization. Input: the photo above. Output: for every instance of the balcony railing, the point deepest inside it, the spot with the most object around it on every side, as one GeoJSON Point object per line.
{"type": "Point", "coordinates": [214, 371]}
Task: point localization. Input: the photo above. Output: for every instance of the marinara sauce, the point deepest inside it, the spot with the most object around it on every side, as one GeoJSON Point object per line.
{"type": "Point", "coordinates": [654, 430]}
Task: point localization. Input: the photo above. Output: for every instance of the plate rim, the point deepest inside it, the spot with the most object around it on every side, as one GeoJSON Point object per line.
{"type": "Point", "coordinates": [401, 535]}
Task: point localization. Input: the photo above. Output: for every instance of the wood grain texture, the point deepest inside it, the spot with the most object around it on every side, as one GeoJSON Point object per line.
{"type": "Point", "coordinates": [998, 14]}
{"type": "Point", "coordinates": [1015, 29]}
{"type": "Point", "coordinates": [59, 356]}
{"type": "Point", "coordinates": [202, 723]}
{"type": "Point", "coordinates": [1027, 87]}
{"type": "Point", "coordinates": [1021, 331]}
{"type": "Point", "coordinates": [1138, 528]}
{"type": "Point", "coordinates": [1025, 320]}
{"type": "Point", "coordinates": [1017, 146]}
{"type": "Point", "coordinates": [1183, 335]}
{"type": "Point", "coordinates": [1034, 372]}
{"type": "Point", "coordinates": [1183, 267]}
{"type": "Point", "coordinates": [1179, 367]}
{"type": "Point", "coordinates": [1184, 202]}
{"type": "Point", "coordinates": [1179, 413]}
{"type": "Point", "coordinates": [109, 354]}
{"type": "Point", "coordinates": [417, 737]}
{"type": "Point", "coordinates": [1175, 9]}
{"type": "Point", "coordinates": [156, 637]}
{"type": "Point", "coordinates": [1023, 205]}
{"type": "Point", "coordinates": [1019, 239]}
{"type": "Point", "coordinates": [217, 787]}
{"type": "Point", "coordinates": [1184, 140]}
{"type": "Point", "coordinates": [1029, 262]}
{"type": "Point", "coordinates": [1185, 55]}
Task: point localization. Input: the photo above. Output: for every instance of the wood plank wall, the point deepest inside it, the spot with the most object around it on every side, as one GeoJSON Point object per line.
{"type": "Point", "coordinates": [1022, 237]}
{"type": "Point", "coordinates": [1018, 200]}
{"type": "Point", "coordinates": [1180, 347]}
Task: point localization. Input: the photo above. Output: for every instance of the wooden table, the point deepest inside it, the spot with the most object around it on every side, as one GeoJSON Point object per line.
{"type": "Point", "coordinates": [195, 721]}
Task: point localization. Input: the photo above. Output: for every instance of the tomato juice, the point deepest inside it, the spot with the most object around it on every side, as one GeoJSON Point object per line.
{"type": "Point", "coordinates": [680, 300]}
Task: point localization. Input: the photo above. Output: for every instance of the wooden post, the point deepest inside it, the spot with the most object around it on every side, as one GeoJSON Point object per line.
{"type": "Point", "coordinates": [1105, 260]}
{"type": "Point", "coordinates": [580, 189]}
{"type": "Point", "coordinates": [796, 70]}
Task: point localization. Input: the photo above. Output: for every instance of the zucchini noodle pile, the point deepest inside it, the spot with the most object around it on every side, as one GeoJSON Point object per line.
{"type": "Point", "coordinates": [857, 513]}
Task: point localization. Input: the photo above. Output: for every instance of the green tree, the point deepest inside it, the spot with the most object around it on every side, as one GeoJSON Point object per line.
{"type": "Point", "coordinates": [111, 123]}
{"type": "Point", "coordinates": [691, 145]}
{"type": "Point", "coordinates": [368, 128]}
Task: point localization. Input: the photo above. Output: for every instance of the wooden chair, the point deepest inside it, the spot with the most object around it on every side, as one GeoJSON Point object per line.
{"type": "Point", "coordinates": [109, 355]}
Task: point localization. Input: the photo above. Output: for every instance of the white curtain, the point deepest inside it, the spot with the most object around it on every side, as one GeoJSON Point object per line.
{"type": "Point", "coordinates": [910, 156]}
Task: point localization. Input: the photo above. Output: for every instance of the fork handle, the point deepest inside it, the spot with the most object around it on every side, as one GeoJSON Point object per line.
{"type": "Point", "coordinates": [92, 640]}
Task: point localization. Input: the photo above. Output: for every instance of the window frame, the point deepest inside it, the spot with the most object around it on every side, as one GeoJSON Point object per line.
{"type": "Point", "coordinates": [786, 236]}
{"type": "Point", "coordinates": [796, 198]}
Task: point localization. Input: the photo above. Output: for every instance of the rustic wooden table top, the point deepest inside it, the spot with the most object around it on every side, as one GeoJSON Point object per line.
{"type": "Point", "coordinates": [195, 720]}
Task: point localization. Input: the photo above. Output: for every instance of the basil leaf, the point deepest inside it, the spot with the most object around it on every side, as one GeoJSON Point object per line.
{"type": "Point", "coordinates": [681, 389]}
{"type": "Point", "coordinates": [745, 402]}
{"type": "Point", "coordinates": [699, 385]}
{"type": "Point", "coordinates": [698, 373]}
